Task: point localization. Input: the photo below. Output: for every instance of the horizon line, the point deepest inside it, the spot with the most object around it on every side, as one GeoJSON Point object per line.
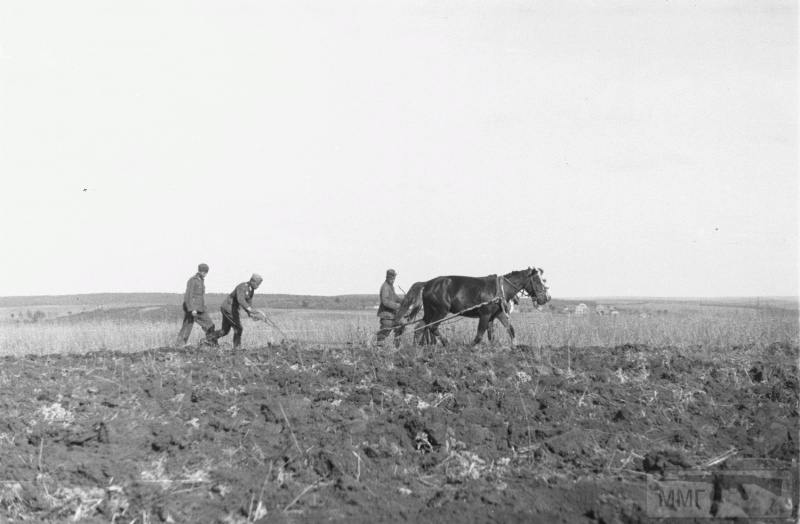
{"type": "Point", "coordinates": [564, 297]}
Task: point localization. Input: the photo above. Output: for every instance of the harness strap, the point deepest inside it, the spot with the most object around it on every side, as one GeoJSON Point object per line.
{"type": "Point", "coordinates": [454, 316]}
{"type": "Point", "coordinates": [502, 295]}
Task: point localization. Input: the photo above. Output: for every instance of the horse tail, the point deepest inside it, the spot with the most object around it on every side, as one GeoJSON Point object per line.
{"type": "Point", "coordinates": [411, 304]}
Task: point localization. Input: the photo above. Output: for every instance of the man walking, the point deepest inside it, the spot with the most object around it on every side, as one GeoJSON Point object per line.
{"type": "Point", "coordinates": [194, 307]}
{"type": "Point", "coordinates": [240, 297]}
{"type": "Point", "coordinates": [389, 305]}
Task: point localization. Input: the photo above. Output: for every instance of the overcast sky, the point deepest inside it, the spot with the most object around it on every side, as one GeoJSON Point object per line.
{"type": "Point", "coordinates": [625, 147]}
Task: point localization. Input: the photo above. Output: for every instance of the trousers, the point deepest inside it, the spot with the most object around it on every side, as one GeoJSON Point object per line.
{"type": "Point", "coordinates": [202, 318]}
{"type": "Point", "coordinates": [231, 320]}
{"type": "Point", "coordinates": [387, 325]}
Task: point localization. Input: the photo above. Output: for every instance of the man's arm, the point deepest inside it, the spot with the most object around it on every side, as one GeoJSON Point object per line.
{"type": "Point", "coordinates": [388, 299]}
{"type": "Point", "coordinates": [194, 295]}
{"type": "Point", "coordinates": [187, 295]}
{"type": "Point", "coordinates": [241, 297]}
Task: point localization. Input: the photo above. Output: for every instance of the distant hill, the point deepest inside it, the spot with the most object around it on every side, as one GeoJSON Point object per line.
{"type": "Point", "coordinates": [95, 300]}
{"type": "Point", "coordinates": [356, 302]}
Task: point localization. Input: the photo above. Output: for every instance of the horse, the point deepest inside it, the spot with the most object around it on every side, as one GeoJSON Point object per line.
{"type": "Point", "coordinates": [485, 298]}
{"type": "Point", "coordinates": [411, 306]}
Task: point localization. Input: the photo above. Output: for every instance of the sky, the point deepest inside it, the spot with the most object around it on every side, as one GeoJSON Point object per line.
{"type": "Point", "coordinates": [628, 148]}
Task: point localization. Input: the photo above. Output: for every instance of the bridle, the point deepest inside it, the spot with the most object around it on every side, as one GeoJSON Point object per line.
{"type": "Point", "coordinates": [529, 280]}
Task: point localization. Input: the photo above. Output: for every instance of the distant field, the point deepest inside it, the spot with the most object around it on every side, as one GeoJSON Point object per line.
{"type": "Point", "coordinates": [134, 327]}
{"type": "Point", "coordinates": [213, 300]}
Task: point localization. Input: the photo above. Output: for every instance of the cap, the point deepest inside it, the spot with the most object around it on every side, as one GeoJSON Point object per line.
{"type": "Point", "coordinates": [256, 278]}
{"type": "Point", "coordinates": [202, 268]}
{"type": "Point", "coordinates": [391, 272]}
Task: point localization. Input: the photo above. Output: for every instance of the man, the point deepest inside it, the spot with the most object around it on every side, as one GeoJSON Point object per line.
{"type": "Point", "coordinates": [194, 307]}
{"type": "Point", "coordinates": [387, 309]}
{"type": "Point", "coordinates": [240, 297]}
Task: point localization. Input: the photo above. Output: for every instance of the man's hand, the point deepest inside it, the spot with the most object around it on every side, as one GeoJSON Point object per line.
{"type": "Point", "coordinates": [194, 312]}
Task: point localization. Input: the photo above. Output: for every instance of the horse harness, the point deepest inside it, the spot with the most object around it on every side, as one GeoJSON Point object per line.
{"type": "Point", "coordinates": [501, 295]}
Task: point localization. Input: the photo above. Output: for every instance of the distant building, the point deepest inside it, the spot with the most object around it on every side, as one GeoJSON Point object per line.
{"type": "Point", "coordinates": [581, 309]}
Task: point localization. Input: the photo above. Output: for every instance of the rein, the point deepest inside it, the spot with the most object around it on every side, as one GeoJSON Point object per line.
{"type": "Point", "coordinates": [455, 316]}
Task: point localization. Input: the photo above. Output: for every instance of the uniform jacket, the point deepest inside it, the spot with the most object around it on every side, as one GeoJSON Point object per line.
{"type": "Point", "coordinates": [194, 298]}
{"type": "Point", "coordinates": [390, 302]}
{"type": "Point", "coordinates": [241, 296]}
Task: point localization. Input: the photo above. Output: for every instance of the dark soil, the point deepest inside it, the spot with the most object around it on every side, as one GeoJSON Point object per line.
{"type": "Point", "coordinates": [353, 434]}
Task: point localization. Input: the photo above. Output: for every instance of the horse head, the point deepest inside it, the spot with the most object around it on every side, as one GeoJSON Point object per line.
{"type": "Point", "coordinates": [536, 286]}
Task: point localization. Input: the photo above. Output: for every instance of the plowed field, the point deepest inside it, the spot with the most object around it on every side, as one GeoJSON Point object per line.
{"type": "Point", "coordinates": [290, 434]}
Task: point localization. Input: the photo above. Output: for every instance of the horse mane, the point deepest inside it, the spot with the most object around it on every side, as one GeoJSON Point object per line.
{"type": "Point", "coordinates": [517, 272]}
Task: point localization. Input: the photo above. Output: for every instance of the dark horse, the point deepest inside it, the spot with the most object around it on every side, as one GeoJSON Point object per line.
{"type": "Point", "coordinates": [485, 298]}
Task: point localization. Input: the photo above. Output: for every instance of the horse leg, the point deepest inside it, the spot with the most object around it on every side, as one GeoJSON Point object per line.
{"type": "Point", "coordinates": [483, 324]}
{"type": "Point", "coordinates": [425, 336]}
{"type": "Point", "coordinates": [430, 337]}
{"type": "Point", "coordinates": [433, 332]}
{"type": "Point", "coordinates": [503, 318]}
{"type": "Point", "coordinates": [422, 336]}
{"type": "Point", "coordinates": [490, 329]}
{"type": "Point", "coordinates": [434, 313]}
{"type": "Point", "coordinates": [437, 334]}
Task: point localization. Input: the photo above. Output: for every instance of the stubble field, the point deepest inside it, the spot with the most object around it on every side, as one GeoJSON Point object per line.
{"type": "Point", "coordinates": [101, 421]}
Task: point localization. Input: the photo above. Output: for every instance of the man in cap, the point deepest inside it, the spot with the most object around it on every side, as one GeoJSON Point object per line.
{"type": "Point", "coordinates": [194, 307]}
{"type": "Point", "coordinates": [389, 305]}
{"type": "Point", "coordinates": [240, 297]}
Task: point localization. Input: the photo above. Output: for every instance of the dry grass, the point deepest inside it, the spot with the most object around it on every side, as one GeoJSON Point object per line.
{"type": "Point", "coordinates": [44, 338]}
{"type": "Point", "coordinates": [710, 328]}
